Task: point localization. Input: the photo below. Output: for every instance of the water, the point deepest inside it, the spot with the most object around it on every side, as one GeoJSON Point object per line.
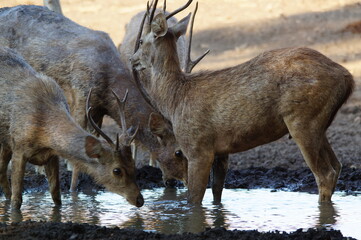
{"type": "Point", "coordinates": [166, 211]}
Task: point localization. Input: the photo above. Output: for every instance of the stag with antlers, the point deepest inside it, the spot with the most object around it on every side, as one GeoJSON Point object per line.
{"type": "Point", "coordinates": [295, 91]}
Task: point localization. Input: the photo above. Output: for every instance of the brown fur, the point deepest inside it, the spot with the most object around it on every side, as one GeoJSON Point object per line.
{"type": "Point", "coordinates": [292, 90]}
{"type": "Point", "coordinates": [36, 127]}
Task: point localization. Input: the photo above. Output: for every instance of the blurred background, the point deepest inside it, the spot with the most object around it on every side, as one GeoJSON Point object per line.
{"type": "Point", "coordinates": [237, 30]}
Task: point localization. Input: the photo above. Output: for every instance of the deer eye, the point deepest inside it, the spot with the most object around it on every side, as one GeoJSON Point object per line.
{"type": "Point", "coordinates": [117, 171]}
{"type": "Point", "coordinates": [178, 153]}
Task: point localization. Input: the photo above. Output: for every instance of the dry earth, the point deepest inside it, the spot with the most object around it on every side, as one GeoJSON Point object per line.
{"type": "Point", "coordinates": [237, 30]}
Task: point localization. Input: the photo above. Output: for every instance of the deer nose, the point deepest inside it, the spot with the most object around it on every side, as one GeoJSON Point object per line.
{"type": "Point", "coordinates": [140, 201]}
{"type": "Point", "coordinates": [171, 183]}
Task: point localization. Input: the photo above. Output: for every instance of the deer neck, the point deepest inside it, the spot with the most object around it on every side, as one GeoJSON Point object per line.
{"type": "Point", "coordinates": [66, 137]}
{"type": "Point", "coordinates": [167, 82]}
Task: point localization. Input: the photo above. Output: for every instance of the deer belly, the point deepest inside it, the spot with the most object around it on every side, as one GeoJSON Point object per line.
{"type": "Point", "coordinates": [234, 141]}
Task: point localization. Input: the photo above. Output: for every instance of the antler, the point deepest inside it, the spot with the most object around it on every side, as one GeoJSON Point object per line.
{"type": "Point", "coordinates": [136, 47]}
{"type": "Point", "coordinates": [94, 125]}
{"type": "Point", "coordinates": [153, 11]}
{"type": "Point", "coordinates": [121, 104]}
{"type": "Point", "coordinates": [189, 63]}
{"type": "Point", "coordinates": [164, 5]}
{"type": "Point", "coordinates": [179, 9]}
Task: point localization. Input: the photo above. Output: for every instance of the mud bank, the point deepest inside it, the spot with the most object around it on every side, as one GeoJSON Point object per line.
{"type": "Point", "coordinates": [46, 230]}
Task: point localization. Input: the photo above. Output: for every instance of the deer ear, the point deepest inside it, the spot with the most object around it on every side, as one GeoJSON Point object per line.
{"type": "Point", "coordinates": [180, 28]}
{"type": "Point", "coordinates": [157, 125]}
{"type": "Point", "coordinates": [159, 25]}
{"type": "Point", "coordinates": [93, 147]}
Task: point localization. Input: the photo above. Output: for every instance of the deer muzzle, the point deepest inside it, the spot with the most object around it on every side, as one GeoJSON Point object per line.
{"type": "Point", "coordinates": [139, 201]}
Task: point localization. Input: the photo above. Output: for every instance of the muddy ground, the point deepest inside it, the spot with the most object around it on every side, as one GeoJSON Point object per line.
{"type": "Point", "coordinates": [235, 31]}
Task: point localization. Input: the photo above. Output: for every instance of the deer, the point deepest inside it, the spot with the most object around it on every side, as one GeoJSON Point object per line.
{"type": "Point", "coordinates": [168, 151]}
{"type": "Point", "coordinates": [36, 127]}
{"type": "Point", "coordinates": [296, 91]}
{"type": "Point", "coordinates": [78, 59]}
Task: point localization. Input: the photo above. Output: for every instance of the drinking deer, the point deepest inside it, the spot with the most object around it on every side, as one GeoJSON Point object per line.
{"type": "Point", "coordinates": [295, 91]}
{"type": "Point", "coordinates": [36, 127]}
{"type": "Point", "coordinates": [78, 59]}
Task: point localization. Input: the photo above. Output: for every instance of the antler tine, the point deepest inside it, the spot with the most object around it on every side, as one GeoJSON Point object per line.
{"type": "Point", "coordinates": [189, 63]}
{"type": "Point", "coordinates": [121, 104]}
{"type": "Point", "coordinates": [140, 32]}
{"type": "Point", "coordinates": [142, 91]}
{"type": "Point", "coordinates": [128, 138]}
{"type": "Point", "coordinates": [153, 11]}
{"type": "Point", "coordinates": [134, 134]}
{"type": "Point", "coordinates": [165, 5]}
{"type": "Point", "coordinates": [94, 125]}
{"type": "Point", "coordinates": [134, 72]}
{"type": "Point", "coordinates": [117, 143]}
{"type": "Point", "coordinates": [179, 9]}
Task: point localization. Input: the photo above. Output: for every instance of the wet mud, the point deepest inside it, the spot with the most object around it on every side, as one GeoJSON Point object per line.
{"type": "Point", "coordinates": [45, 230]}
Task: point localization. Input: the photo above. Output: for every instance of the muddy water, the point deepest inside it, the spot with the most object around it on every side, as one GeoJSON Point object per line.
{"type": "Point", "coordinates": [166, 211]}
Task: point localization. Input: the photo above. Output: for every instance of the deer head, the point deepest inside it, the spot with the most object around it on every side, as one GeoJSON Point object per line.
{"type": "Point", "coordinates": [156, 27]}
{"type": "Point", "coordinates": [114, 167]}
{"type": "Point", "coordinates": [172, 162]}
{"type": "Point", "coordinates": [145, 56]}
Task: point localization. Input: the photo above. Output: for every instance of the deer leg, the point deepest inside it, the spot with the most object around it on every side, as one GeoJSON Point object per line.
{"type": "Point", "coordinates": [52, 173]}
{"type": "Point", "coordinates": [199, 167]}
{"type": "Point", "coordinates": [5, 157]}
{"type": "Point", "coordinates": [74, 179]}
{"type": "Point", "coordinates": [153, 159]}
{"type": "Point", "coordinates": [317, 156]}
{"type": "Point", "coordinates": [17, 176]}
{"type": "Point", "coordinates": [219, 171]}
{"type": "Point", "coordinates": [328, 153]}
